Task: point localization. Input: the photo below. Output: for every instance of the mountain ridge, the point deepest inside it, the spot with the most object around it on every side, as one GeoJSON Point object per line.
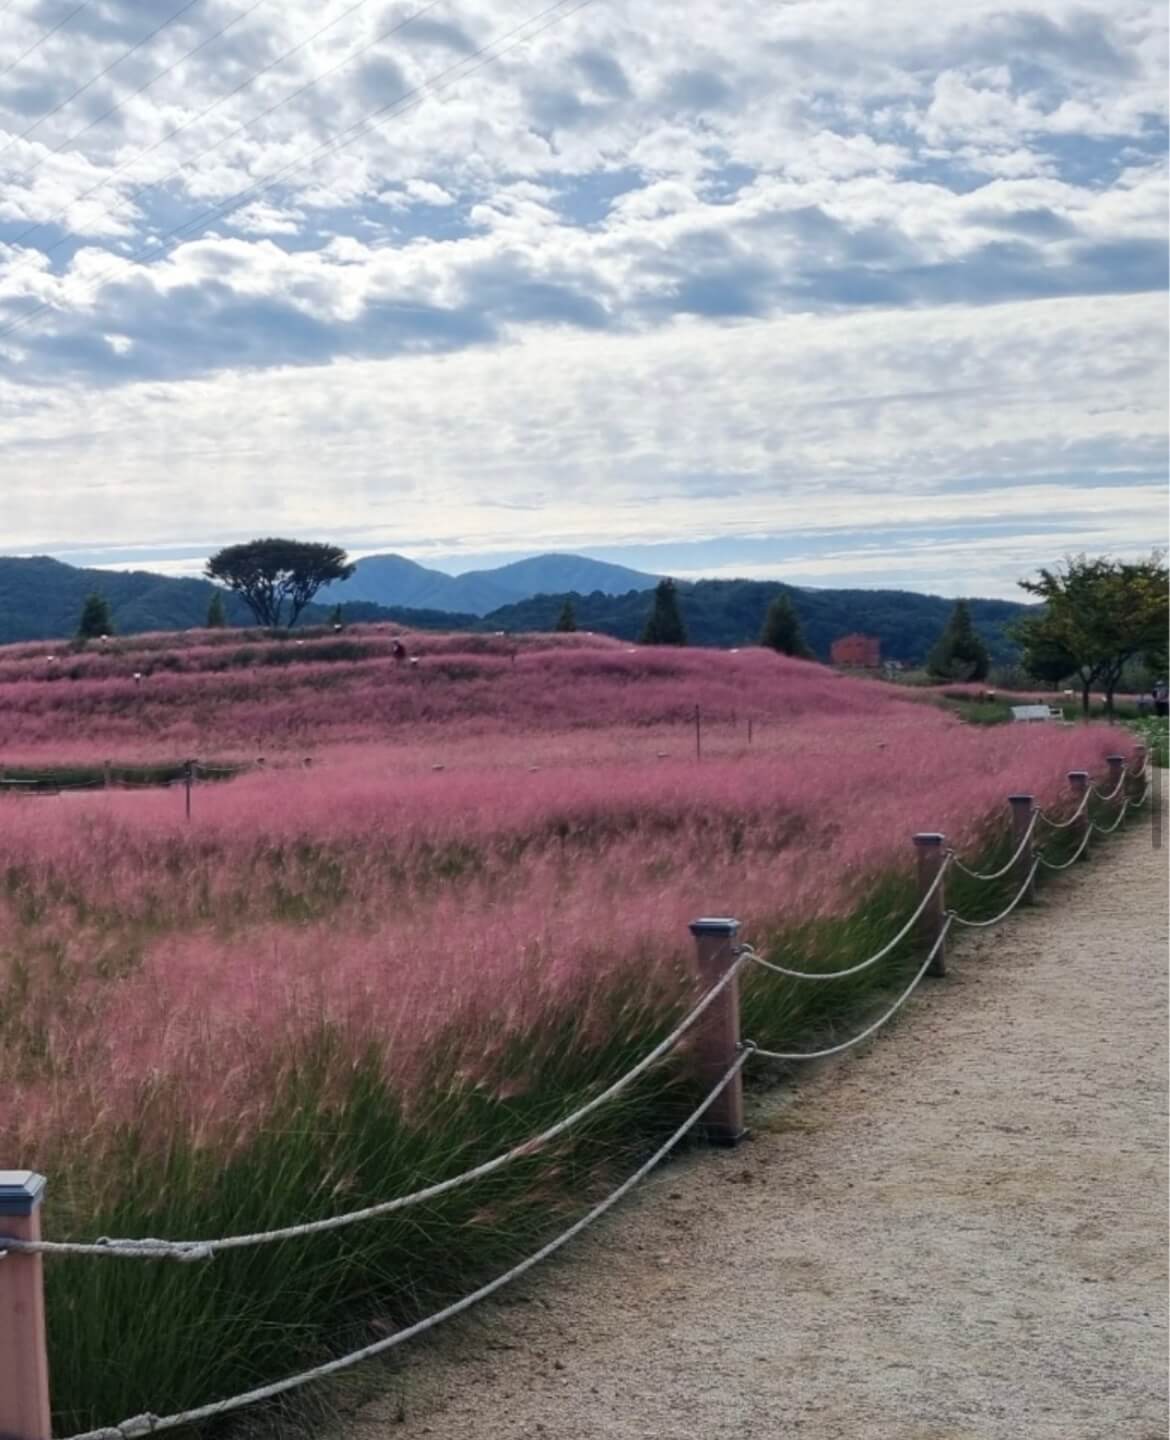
{"type": "Point", "coordinates": [41, 599]}
{"type": "Point", "coordinates": [392, 579]}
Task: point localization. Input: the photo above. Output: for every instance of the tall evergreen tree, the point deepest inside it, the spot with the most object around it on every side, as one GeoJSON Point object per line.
{"type": "Point", "coordinates": [958, 653]}
{"type": "Point", "coordinates": [567, 620]}
{"type": "Point", "coordinates": [216, 614]}
{"type": "Point", "coordinates": [782, 630]}
{"type": "Point", "coordinates": [665, 625]}
{"type": "Point", "coordinates": [96, 619]}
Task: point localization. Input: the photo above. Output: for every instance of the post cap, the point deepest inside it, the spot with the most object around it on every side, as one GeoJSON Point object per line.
{"type": "Point", "coordinates": [1078, 774]}
{"type": "Point", "coordinates": [20, 1191]}
{"type": "Point", "coordinates": [1020, 799]}
{"type": "Point", "coordinates": [1115, 759]}
{"type": "Point", "coordinates": [715, 925]}
{"type": "Point", "coordinates": [929, 837]}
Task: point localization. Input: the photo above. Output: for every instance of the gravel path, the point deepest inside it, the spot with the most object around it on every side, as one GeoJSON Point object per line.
{"type": "Point", "coordinates": [959, 1234]}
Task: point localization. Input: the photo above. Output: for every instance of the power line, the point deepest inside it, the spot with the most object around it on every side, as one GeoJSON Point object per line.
{"type": "Point", "coordinates": [408, 100]}
{"type": "Point", "coordinates": [260, 115]}
{"type": "Point", "coordinates": [133, 95]}
{"type": "Point", "coordinates": [52, 30]}
{"type": "Point", "coordinates": [186, 125]}
{"type": "Point", "coordinates": [81, 89]}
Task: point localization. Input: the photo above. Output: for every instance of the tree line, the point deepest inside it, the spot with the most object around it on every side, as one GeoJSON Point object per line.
{"type": "Point", "coordinates": [1098, 614]}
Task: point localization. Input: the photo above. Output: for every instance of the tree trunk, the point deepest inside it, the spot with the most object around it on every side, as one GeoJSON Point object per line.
{"type": "Point", "coordinates": [1086, 696]}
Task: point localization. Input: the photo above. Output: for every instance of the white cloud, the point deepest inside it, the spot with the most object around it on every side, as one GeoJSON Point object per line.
{"type": "Point", "coordinates": [657, 272]}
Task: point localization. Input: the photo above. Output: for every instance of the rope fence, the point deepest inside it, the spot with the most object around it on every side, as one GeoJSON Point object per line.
{"type": "Point", "coordinates": [717, 1053]}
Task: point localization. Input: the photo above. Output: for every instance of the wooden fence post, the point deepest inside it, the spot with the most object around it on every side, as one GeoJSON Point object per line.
{"type": "Point", "coordinates": [24, 1364]}
{"type": "Point", "coordinates": [1116, 765]}
{"type": "Point", "coordinates": [1022, 808]}
{"type": "Point", "coordinates": [1079, 781]}
{"type": "Point", "coordinates": [717, 1029]}
{"type": "Point", "coordinates": [1139, 757]}
{"type": "Point", "coordinates": [931, 855]}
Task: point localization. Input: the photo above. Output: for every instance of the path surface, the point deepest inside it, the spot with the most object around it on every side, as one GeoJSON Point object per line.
{"type": "Point", "coordinates": [957, 1235]}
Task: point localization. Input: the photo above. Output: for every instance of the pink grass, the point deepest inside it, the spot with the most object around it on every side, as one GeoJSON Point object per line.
{"type": "Point", "coordinates": [565, 842]}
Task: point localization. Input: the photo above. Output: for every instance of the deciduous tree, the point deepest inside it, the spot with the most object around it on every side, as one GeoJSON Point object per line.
{"type": "Point", "coordinates": [270, 574]}
{"type": "Point", "coordinates": [1098, 614]}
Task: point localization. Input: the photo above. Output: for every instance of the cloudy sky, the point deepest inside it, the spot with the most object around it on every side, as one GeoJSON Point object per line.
{"type": "Point", "coordinates": [827, 290]}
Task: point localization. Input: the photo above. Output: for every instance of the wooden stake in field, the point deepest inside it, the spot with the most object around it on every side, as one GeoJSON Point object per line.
{"type": "Point", "coordinates": [24, 1365]}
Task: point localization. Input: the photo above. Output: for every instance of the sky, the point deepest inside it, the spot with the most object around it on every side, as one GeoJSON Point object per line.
{"type": "Point", "coordinates": [838, 293]}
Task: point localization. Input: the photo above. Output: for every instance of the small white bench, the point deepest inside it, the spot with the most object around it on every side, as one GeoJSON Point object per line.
{"type": "Point", "coordinates": [1030, 713]}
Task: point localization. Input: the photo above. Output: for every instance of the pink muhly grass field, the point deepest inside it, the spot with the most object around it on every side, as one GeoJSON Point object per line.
{"type": "Point", "coordinates": [344, 978]}
{"type": "Point", "coordinates": [569, 835]}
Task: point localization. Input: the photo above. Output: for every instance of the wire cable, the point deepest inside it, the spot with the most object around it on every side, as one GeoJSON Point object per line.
{"type": "Point", "coordinates": [410, 99]}
{"type": "Point", "coordinates": [101, 74]}
{"type": "Point", "coordinates": [49, 33]}
{"type": "Point", "coordinates": [113, 109]}
{"type": "Point", "coordinates": [186, 125]}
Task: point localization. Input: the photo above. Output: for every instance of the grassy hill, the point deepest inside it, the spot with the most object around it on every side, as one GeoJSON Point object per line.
{"type": "Point", "coordinates": [730, 612]}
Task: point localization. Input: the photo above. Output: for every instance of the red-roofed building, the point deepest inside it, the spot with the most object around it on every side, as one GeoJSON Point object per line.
{"type": "Point", "coordinates": [862, 651]}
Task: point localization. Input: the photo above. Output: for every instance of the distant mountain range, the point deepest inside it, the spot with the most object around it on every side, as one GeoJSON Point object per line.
{"type": "Point", "coordinates": [393, 580]}
{"type": "Point", "coordinates": [41, 599]}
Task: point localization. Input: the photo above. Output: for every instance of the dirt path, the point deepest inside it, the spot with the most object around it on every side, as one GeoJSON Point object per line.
{"type": "Point", "coordinates": [957, 1235]}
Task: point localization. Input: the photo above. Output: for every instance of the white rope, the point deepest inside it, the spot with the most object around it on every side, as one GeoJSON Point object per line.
{"type": "Point", "coordinates": [749, 954]}
{"type": "Point", "coordinates": [1110, 794]}
{"type": "Point", "coordinates": [152, 1424]}
{"type": "Point", "coordinates": [1064, 864]}
{"type": "Point", "coordinates": [1075, 816]}
{"type": "Point", "coordinates": [877, 1024]}
{"type": "Point", "coordinates": [1003, 914]}
{"type": "Point", "coordinates": [190, 1250]}
{"type": "Point", "coordinates": [1109, 829]}
{"type": "Point", "coordinates": [1008, 865]}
